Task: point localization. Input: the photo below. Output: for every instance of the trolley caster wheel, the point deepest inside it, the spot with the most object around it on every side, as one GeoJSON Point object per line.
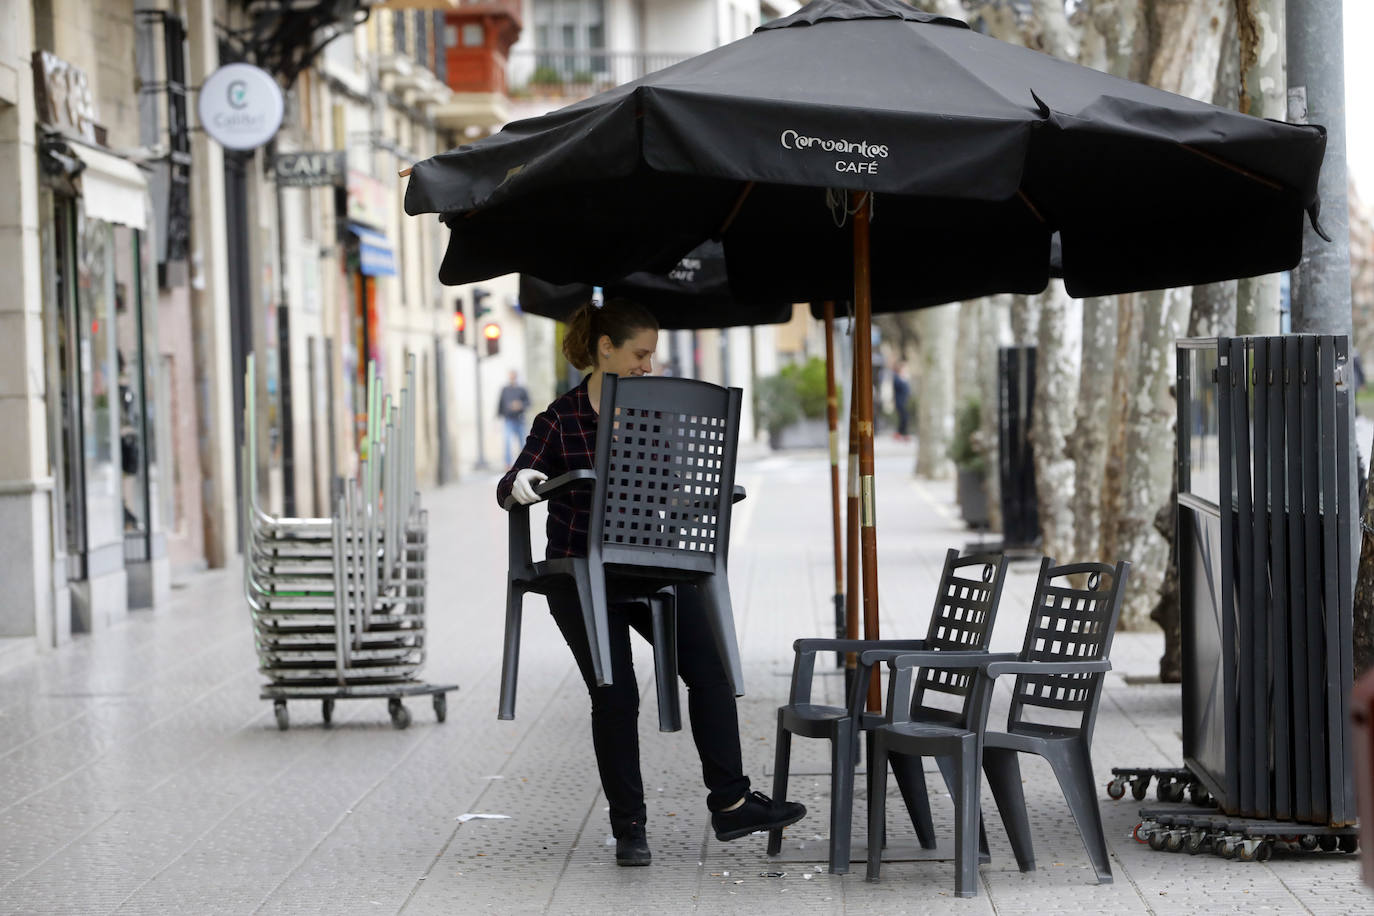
{"type": "Point", "coordinates": [283, 719]}
{"type": "Point", "coordinates": [1307, 842]}
{"type": "Point", "coordinates": [1136, 835]}
{"type": "Point", "coordinates": [1328, 843]}
{"type": "Point", "coordinates": [1116, 790]}
{"type": "Point", "coordinates": [1264, 852]}
{"type": "Point", "coordinates": [1170, 792]}
{"type": "Point", "coordinates": [1174, 842]}
{"type": "Point", "coordinates": [441, 706]}
{"type": "Point", "coordinates": [400, 716]}
{"type": "Point", "coordinates": [327, 711]}
{"type": "Point", "coordinates": [1195, 844]}
{"type": "Point", "coordinates": [1349, 843]}
{"type": "Point", "coordinates": [1227, 848]}
{"type": "Point", "coordinates": [1139, 787]}
{"type": "Point", "coordinates": [1156, 840]}
{"type": "Point", "coordinates": [1198, 795]}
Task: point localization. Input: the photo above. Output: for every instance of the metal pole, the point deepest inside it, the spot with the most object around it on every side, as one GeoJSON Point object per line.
{"type": "Point", "coordinates": [481, 463]}
{"type": "Point", "coordinates": [1316, 95]}
{"type": "Point", "coordinates": [288, 435]}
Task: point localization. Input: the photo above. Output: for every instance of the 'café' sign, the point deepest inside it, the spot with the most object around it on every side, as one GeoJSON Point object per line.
{"type": "Point", "coordinates": [307, 170]}
{"type": "Point", "coordinates": [240, 106]}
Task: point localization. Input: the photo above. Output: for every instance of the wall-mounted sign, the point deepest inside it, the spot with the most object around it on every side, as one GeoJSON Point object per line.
{"type": "Point", "coordinates": [62, 93]}
{"type": "Point", "coordinates": [366, 200]}
{"type": "Point", "coordinates": [308, 170]}
{"type": "Point", "coordinates": [240, 106]}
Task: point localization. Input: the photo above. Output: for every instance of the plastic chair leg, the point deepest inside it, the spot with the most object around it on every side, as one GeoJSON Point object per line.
{"type": "Point", "coordinates": [663, 611]}
{"type": "Point", "coordinates": [841, 795]}
{"type": "Point", "coordinates": [782, 760]}
{"type": "Point", "coordinates": [510, 651]}
{"type": "Point", "coordinates": [1003, 772]}
{"type": "Point", "coordinates": [1072, 765]}
{"type": "Point", "coordinates": [877, 804]}
{"type": "Point", "coordinates": [948, 769]}
{"type": "Point", "coordinates": [911, 779]}
{"type": "Point", "coordinates": [715, 593]}
{"type": "Point", "coordinates": [967, 820]}
{"type": "Point", "coordinates": [591, 595]}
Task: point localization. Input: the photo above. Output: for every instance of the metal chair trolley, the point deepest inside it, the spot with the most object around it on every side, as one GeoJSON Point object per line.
{"type": "Point", "coordinates": [338, 604]}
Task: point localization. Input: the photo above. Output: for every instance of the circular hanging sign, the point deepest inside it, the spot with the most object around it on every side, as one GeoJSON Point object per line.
{"type": "Point", "coordinates": [240, 106]}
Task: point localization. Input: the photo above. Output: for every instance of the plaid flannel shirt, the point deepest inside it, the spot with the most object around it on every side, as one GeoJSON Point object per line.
{"type": "Point", "coordinates": [562, 438]}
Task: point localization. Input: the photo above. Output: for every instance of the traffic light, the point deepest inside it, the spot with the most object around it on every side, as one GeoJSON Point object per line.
{"type": "Point", "coordinates": [460, 323]}
{"type": "Point", "coordinates": [479, 308]}
{"type": "Point", "coordinates": [492, 332]}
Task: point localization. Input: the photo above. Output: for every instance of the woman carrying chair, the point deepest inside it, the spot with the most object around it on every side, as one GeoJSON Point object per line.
{"type": "Point", "coordinates": [621, 338]}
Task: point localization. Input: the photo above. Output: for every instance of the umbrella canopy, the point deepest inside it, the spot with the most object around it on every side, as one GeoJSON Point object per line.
{"type": "Point", "coordinates": [694, 294]}
{"type": "Point", "coordinates": [977, 150]}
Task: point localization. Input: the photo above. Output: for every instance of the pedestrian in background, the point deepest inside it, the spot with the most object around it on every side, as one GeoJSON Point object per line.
{"type": "Point", "coordinates": [511, 409]}
{"type": "Point", "coordinates": [621, 337]}
{"type": "Point", "coordinates": [901, 396]}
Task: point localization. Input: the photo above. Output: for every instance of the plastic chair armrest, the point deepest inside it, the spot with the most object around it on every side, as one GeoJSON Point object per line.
{"type": "Point", "coordinates": [554, 486]}
{"type": "Point", "coordinates": [945, 658]}
{"type": "Point", "coordinates": [1019, 667]}
{"type": "Point", "coordinates": [820, 644]}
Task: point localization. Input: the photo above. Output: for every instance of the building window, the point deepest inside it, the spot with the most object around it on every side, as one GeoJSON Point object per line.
{"type": "Point", "coordinates": [572, 28]}
{"type": "Point", "coordinates": [474, 35]}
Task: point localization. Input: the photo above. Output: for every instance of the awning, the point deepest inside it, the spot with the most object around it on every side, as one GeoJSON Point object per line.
{"type": "Point", "coordinates": [374, 252]}
{"type": "Point", "coordinates": [112, 189]}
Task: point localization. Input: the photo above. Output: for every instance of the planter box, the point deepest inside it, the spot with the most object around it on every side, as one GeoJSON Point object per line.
{"type": "Point", "coordinates": [973, 498]}
{"type": "Point", "coordinates": [806, 434]}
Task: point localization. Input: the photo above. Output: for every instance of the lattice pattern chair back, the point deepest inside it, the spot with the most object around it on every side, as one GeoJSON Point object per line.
{"type": "Point", "coordinates": [965, 608]}
{"type": "Point", "coordinates": [669, 446]}
{"type": "Point", "coordinates": [1068, 623]}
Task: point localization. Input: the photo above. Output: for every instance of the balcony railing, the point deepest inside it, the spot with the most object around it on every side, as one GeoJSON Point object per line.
{"type": "Point", "coordinates": [577, 74]}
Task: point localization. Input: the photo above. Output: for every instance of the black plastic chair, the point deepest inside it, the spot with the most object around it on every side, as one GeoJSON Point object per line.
{"type": "Point", "coordinates": [665, 454]}
{"type": "Point", "coordinates": [1060, 668]}
{"type": "Point", "coordinates": [1059, 675]}
{"type": "Point", "coordinates": [962, 619]}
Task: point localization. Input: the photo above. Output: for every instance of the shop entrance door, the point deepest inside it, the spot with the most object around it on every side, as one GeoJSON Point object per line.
{"type": "Point", "coordinates": [72, 482]}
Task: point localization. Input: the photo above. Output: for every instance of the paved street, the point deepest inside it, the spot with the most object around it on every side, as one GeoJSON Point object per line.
{"type": "Point", "coordinates": [140, 773]}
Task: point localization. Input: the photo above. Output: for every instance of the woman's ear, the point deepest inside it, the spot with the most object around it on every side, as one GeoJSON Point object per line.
{"type": "Point", "coordinates": [604, 345]}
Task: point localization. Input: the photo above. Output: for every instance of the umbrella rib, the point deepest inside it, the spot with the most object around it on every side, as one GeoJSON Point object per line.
{"type": "Point", "coordinates": [734, 211]}
{"type": "Point", "coordinates": [1272, 185]}
{"type": "Point", "coordinates": [1030, 206]}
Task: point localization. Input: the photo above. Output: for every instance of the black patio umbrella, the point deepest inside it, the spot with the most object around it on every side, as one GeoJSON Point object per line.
{"type": "Point", "coordinates": [694, 294]}
{"type": "Point", "coordinates": [965, 152]}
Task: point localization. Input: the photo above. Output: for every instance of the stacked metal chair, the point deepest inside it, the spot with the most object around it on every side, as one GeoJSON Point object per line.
{"type": "Point", "coordinates": [338, 604]}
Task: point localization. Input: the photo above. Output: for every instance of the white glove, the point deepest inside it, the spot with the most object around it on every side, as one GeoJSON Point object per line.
{"type": "Point", "coordinates": [526, 480]}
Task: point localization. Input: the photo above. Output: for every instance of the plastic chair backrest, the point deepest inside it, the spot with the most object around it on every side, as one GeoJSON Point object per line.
{"type": "Point", "coordinates": [1068, 624]}
{"type": "Point", "coordinates": [668, 448]}
{"type": "Point", "coordinates": [965, 608]}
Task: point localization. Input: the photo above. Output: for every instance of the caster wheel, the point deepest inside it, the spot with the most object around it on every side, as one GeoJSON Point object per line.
{"type": "Point", "coordinates": [1173, 792]}
{"type": "Point", "coordinates": [1264, 852]}
{"type": "Point", "coordinates": [327, 711]}
{"type": "Point", "coordinates": [1136, 835]}
{"type": "Point", "coordinates": [1307, 842]}
{"type": "Point", "coordinates": [441, 706]}
{"type": "Point", "coordinates": [1174, 843]}
{"type": "Point", "coordinates": [1328, 843]}
{"type": "Point", "coordinates": [1227, 849]}
{"type": "Point", "coordinates": [1198, 795]}
{"type": "Point", "coordinates": [1162, 791]}
{"type": "Point", "coordinates": [1349, 843]}
{"type": "Point", "coordinates": [1116, 790]}
{"type": "Point", "coordinates": [1196, 844]}
{"type": "Point", "coordinates": [1139, 787]}
{"type": "Point", "coordinates": [400, 716]}
{"type": "Point", "coordinates": [283, 719]}
{"type": "Point", "coordinates": [1244, 852]}
{"type": "Point", "coordinates": [1156, 840]}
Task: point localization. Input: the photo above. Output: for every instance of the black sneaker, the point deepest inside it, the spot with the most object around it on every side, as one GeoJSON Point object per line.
{"type": "Point", "coordinates": [759, 812]}
{"type": "Point", "coordinates": [633, 847]}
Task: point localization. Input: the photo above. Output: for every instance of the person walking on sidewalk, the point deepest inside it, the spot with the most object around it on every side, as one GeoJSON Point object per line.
{"type": "Point", "coordinates": [621, 337]}
{"type": "Point", "coordinates": [511, 409]}
{"type": "Point", "coordinates": [901, 395]}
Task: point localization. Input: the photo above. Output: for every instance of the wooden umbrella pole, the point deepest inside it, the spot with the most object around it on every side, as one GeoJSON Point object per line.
{"type": "Point", "coordinates": [863, 363]}
{"type": "Point", "coordinates": [832, 416]}
{"type": "Point", "coordinates": [851, 593]}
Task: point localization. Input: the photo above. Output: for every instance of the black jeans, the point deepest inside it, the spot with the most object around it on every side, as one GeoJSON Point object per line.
{"type": "Point", "coordinates": [615, 707]}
